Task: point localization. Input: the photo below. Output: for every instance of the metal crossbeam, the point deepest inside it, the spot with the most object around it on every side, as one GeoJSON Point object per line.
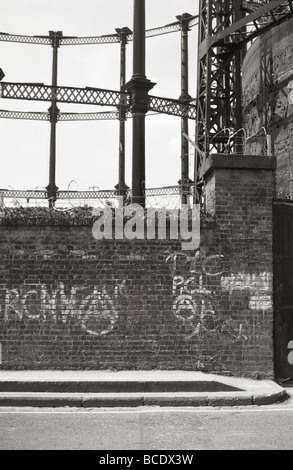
{"type": "Point", "coordinates": [70, 194]}
{"type": "Point", "coordinates": [39, 116]}
{"type": "Point", "coordinates": [101, 194]}
{"type": "Point", "coordinates": [17, 38]}
{"type": "Point", "coordinates": [92, 96]}
{"type": "Point", "coordinates": [171, 28]}
{"type": "Point", "coordinates": [104, 116]}
{"type": "Point", "coordinates": [22, 194]}
{"type": "Point", "coordinates": [165, 191]}
{"type": "Point", "coordinates": [171, 107]}
{"type": "Point", "coordinates": [41, 92]}
{"type": "Point", "coordinates": [38, 194]}
{"type": "Point", "coordinates": [79, 41]}
{"type": "Point", "coordinates": [105, 39]}
{"type": "Point", "coordinates": [32, 116]}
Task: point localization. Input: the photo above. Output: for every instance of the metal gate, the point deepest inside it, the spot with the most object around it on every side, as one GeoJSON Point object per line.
{"type": "Point", "coordinates": [283, 289]}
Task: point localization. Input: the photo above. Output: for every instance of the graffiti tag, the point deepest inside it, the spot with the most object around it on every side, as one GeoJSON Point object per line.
{"type": "Point", "coordinates": [96, 312]}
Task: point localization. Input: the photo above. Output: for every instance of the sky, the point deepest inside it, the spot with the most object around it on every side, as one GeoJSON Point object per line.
{"type": "Point", "coordinates": [87, 152]}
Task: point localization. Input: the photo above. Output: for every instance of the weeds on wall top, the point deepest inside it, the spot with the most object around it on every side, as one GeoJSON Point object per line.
{"type": "Point", "coordinates": [81, 215]}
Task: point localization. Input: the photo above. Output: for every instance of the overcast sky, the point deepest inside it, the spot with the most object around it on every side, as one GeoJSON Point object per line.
{"type": "Point", "coordinates": [87, 152]}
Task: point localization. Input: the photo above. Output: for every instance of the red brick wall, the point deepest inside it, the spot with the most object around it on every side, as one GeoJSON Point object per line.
{"type": "Point", "coordinates": [69, 301]}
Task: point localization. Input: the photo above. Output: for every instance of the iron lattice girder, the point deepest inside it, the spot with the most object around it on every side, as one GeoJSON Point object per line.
{"type": "Point", "coordinates": [65, 41]}
{"type": "Point", "coordinates": [38, 194]}
{"type": "Point", "coordinates": [92, 96]}
{"type": "Point", "coordinates": [23, 194]}
{"type": "Point", "coordinates": [104, 116]}
{"type": "Point", "coordinates": [69, 194]}
{"type": "Point", "coordinates": [31, 116]}
{"type": "Point", "coordinates": [40, 116]}
{"type": "Point", "coordinates": [17, 38]}
{"type": "Point", "coordinates": [41, 92]}
{"type": "Point", "coordinates": [100, 116]}
{"type": "Point", "coordinates": [105, 39]}
{"type": "Point", "coordinates": [172, 107]}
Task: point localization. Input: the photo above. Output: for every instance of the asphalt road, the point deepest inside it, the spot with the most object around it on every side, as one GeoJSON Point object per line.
{"type": "Point", "coordinates": [244, 428]}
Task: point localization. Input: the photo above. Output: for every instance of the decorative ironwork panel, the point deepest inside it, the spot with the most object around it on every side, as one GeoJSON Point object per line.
{"type": "Point", "coordinates": [69, 194]}
{"type": "Point", "coordinates": [108, 115]}
{"type": "Point", "coordinates": [93, 96]}
{"type": "Point", "coordinates": [22, 194]}
{"type": "Point", "coordinates": [163, 191]}
{"type": "Point", "coordinates": [25, 39]}
{"type": "Point", "coordinates": [105, 39]}
{"type": "Point", "coordinates": [78, 41]}
{"type": "Point", "coordinates": [24, 115]}
{"type": "Point", "coordinates": [171, 107]}
{"type": "Point", "coordinates": [101, 194]}
{"type": "Point", "coordinates": [41, 92]}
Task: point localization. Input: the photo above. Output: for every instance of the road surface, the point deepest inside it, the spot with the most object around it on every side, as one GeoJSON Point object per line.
{"type": "Point", "coordinates": [242, 428]}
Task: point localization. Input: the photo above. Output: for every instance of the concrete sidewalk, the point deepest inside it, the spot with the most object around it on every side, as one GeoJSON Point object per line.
{"type": "Point", "coordinates": [90, 389]}
{"type": "Point", "coordinates": [95, 389]}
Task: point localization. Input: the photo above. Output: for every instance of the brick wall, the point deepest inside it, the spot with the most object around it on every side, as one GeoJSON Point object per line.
{"type": "Point", "coordinates": [69, 301]}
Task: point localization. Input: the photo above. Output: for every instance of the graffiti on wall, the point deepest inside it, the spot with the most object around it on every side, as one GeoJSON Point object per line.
{"type": "Point", "coordinates": [211, 265]}
{"type": "Point", "coordinates": [258, 285]}
{"type": "Point", "coordinates": [192, 304]}
{"type": "Point", "coordinates": [202, 286]}
{"type": "Point", "coordinates": [96, 312]}
{"type": "Point", "coordinates": [195, 295]}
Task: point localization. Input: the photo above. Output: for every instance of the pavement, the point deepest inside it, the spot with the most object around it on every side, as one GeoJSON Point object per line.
{"type": "Point", "coordinates": [96, 389]}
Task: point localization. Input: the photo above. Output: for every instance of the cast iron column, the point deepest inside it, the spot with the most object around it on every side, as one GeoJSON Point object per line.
{"type": "Point", "coordinates": [53, 110]}
{"type": "Point", "coordinates": [121, 187]}
{"type": "Point", "coordinates": [185, 98]}
{"type": "Point", "coordinates": [139, 87]}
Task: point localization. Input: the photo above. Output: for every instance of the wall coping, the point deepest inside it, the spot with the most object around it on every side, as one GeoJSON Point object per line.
{"type": "Point", "coordinates": [238, 162]}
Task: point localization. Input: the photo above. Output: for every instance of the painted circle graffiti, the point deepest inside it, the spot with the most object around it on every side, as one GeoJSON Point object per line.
{"type": "Point", "coordinates": [213, 265]}
{"type": "Point", "coordinates": [184, 307]}
{"type": "Point", "coordinates": [98, 315]}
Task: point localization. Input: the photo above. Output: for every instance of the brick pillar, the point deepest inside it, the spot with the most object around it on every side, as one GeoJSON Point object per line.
{"type": "Point", "coordinates": [238, 192]}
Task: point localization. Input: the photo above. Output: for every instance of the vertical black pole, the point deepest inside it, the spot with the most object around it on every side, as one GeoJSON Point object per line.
{"type": "Point", "coordinates": [121, 187]}
{"type": "Point", "coordinates": [53, 110]}
{"type": "Point", "coordinates": [139, 39]}
{"type": "Point", "coordinates": [139, 87]}
{"type": "Point", "coordinates": [185, 98]}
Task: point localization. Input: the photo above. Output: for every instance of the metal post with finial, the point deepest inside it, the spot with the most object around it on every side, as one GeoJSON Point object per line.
{"type": "Point", "coordinates": [53, 111]}
{"type": "Point", "coordinates": [139, 87]}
